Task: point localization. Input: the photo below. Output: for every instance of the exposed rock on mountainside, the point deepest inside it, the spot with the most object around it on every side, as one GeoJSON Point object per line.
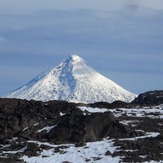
{"type": "Point", "coordinates": [71, 81]}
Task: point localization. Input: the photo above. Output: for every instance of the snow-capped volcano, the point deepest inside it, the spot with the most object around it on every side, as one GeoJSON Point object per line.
{"type": "Point", "coordinates": [73, 80]}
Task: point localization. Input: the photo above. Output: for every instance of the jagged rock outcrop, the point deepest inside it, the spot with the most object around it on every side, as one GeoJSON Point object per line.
{"type": "Point", "coordinates": [84, 128]}
{"type": "Point", "coordinates": [150, 98]}
{"type": "Point", "coordinates": [16, 115]}
{"type": "Point", "coordinates": [25, 119]}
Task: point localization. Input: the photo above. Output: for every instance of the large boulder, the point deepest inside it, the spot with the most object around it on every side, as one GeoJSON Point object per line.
{"type": "Point", "coordinates": [16, 115]}
{"type": "Point", "coordinates": [82, 128]}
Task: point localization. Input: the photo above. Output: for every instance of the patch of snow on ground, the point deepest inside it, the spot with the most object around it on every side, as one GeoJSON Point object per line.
{"type": "Point", "coordinates": [93, 110]}
{"type": "Point", "coordinates": [129, 122]}
{"type": "Point", "coordinates": [47, 128]}
{"type": "Point", "coordinates": [36, 124]}
{"type": "Point", "coordinates": [153, 112]}
{"type": "Point", "coordinates": [148, 135]}
{"type": "Point", "coordinates": [25, 128]}
{"type": "Point", "coordinates": [89, 153]}
{"type": "Point", "coordinates": [62, 114]}
{"type": "Point", "coordinates": [132, 112]}
{"type": "Point", "coordinates": [14, 152]}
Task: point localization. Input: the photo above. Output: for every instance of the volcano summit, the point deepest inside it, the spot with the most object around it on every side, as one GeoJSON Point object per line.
{"type": "Point", "coordinates": [72, 80]}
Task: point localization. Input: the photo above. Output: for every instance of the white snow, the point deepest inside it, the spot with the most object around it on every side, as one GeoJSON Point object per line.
{"type": "Point", "coordinates": [93, 110]}
{"type": "Point", "coordinates": [47, 128]}
{"type": "Point", "coordinates": [77, 154]}
{"type": "Point", "coordinates": [5, 146]}
{"type": "Point", "coordinates": [73, 80]}
{"type": "Point", "coordinates": [140, 112]}
{"type": "Point", "coordinates": [14, 152]}
{"type": "Point", "coordinates": [129, 122]}
{"type": "Point", "coordinates": [148, 135]}
{"type": "Point", "coordinates": [62, 114]}
{"type": "Point", "coordinates": [25, 128]}
{"type": "Point", "coordinates": [36, 124]}
{"type": "Point", "coordinates": [131, 112]}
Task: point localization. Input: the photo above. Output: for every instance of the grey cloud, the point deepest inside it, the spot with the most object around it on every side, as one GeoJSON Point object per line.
{"type": "Point", "coordinates": [18, 6]}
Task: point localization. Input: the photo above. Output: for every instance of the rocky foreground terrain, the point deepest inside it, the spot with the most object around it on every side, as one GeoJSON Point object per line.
{"type": "Point", "coordinates": [58, 131]}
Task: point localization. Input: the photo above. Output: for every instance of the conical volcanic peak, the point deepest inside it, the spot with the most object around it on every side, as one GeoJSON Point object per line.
{"type": "Point", "coordinates": [75, 61]}
{"type": "Point", "coordinates": [76, 58]}
{"type": "Point", "coordinates": [72, 80]}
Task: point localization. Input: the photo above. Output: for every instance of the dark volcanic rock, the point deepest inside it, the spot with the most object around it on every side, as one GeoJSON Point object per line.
{"type": "Point", "coordinates": [19, 119]}
{"type": "Point", "coordinates": [150, 148]}
{"type": "Point", "coordinates": [16, 115]}
{"type": "Point", "coordinates": [115, 104]}
{"type": "Point", "coordinates": [150, 98]}
{"type": "Point", "coordinates": [23, 123]}
{"type": "Point", "coordinates": [54, 121]}
{"type": "Point", "coordinates": [80, 128]}
{"type": "Point", "coordinates": [10, 160]}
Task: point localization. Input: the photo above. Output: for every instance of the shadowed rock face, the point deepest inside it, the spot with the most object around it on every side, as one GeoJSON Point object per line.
{"type": "Point", "coordinates": [71, 126]}
{"type": "Point", "coordinates": [16, 115]}
{"type": "Point", "coordinates": [80, 128]}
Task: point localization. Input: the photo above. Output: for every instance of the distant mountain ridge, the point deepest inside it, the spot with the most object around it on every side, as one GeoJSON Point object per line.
{"type": "Point", "coordinates": [72, 80]}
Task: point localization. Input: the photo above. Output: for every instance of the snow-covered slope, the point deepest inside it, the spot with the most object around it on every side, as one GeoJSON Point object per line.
{"type": "Point", "coordinates": [73, 80]}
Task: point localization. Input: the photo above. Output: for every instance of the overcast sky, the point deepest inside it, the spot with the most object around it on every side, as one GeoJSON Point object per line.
{"type": "Point", "coordinates": [121, 39]}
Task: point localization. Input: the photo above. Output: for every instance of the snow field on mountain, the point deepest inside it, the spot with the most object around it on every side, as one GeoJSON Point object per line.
{"type": "Point", "coordinates": [75, 81]}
